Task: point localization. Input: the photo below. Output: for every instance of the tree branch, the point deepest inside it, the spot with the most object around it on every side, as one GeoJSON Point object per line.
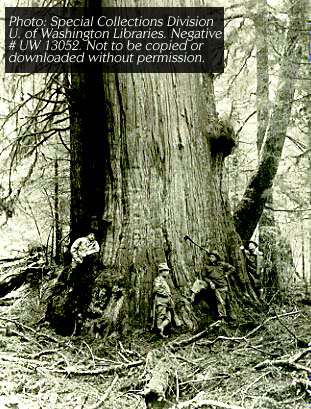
{"type": "Point", "coordinates": [244, 122]}
{"type": "Point", "coordinates": [99, 371]}
{"type": "Point", "coordinates": [287, 362]}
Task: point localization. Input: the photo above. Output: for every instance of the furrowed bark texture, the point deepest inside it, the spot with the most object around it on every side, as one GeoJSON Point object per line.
{"type": "Point", "coordinates": [147, 162]}
{"type": "Point", "coordinates": [166, 181]}
{"type": "Point", "coordinates": [89, 140]}
{"type": "Point", "coordinates": [90, 161]}
{"type": "Point", "coordinates": [252, 204]}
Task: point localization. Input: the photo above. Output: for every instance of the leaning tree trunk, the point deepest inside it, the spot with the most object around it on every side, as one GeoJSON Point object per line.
{"type": "Point", "coordinates": [250, 209]}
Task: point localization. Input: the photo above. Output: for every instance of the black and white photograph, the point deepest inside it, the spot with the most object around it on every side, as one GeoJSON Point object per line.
{"type": "Point", "coordinates": [155, 204]}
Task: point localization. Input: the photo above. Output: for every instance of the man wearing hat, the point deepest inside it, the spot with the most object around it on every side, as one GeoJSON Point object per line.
{"type": "Point", "coordinates": [163, 303]}
{"type": "Point", "coordinates": [253, 258]}
{"type": "Point", "coordinates": [215, 274]}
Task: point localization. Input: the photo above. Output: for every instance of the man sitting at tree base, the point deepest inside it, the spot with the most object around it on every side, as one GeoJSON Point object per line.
{"type": "Point", "coordinates": [82, 247]}
{"type": "Point", "coordinates": [81, 279]}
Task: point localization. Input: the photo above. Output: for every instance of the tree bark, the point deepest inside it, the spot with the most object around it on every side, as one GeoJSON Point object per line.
{"type": "Point", "coordinates": [250, 208]}
{"type": "Point", "coordinates": [308, 116]}
{"type": "Point", "coordinates": [267, 228]}
{"type": "Point", "coordinates": [262, 66]}
{"type": "Point", "coordinates": [146, 169]}
{"type": "Point", "coordinates": [57, 223]}
{"type": "Point", "coordinates": [166, 182]}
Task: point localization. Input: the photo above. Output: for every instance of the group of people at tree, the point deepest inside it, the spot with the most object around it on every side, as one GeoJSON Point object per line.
{"type": "Point", "coordinates": [214, 277]}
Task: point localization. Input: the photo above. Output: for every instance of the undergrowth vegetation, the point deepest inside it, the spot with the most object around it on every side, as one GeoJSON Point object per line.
{"type": "Point", "coordinates": [262, 363]}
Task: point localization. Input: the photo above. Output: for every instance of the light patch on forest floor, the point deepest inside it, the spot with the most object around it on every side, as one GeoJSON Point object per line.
{"type": "Point", "coordinates": [42, 370]}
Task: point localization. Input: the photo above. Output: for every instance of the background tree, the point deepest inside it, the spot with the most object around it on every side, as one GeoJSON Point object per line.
{"type": "Point", "coordinates": [267, 227]}
{"type": "Point", "coordinates": [255, 196]}
{"type": "Point", "coordinates": [267, 32]}
{"type": "Point", "coordinates": [34, 129]}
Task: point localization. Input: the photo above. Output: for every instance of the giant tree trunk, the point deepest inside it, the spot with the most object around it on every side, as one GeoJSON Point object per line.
{"type": "Point", "coordinates": [146, 169]}
{"type": "Point", "coordinates": [164, 180]}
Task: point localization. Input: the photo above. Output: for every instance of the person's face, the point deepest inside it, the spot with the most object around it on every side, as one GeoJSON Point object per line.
{"type": "Point", "coordinates": [91, 236]}
{"type": "Point", "coordinates": [165, 273]}
{"type": "Point", "coordinates": [251, 246]}
{"type": "Point", "coordinates": [213, 258]}
{"type": "Point", "coordinates": [102, 293]}
{"type": "Point", "coordinates": [115, 289]}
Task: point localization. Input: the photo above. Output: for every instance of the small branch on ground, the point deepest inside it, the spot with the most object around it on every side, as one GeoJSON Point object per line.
{"type": "Point", "coordinates": [7, 302]}
{"type": "Point", "coordinates": [45, 352]}
{"type": "Point", "coordinates": [300, 355]}
{"type": "Point", "coordinates": [84, 402]}
{"type": "Point", "coordinates": [201, 400]}
{"type": "Point", "coordinates": [177, 344]}
{"type": "Point", "coordinates": [100, 371]}
{"type": "Point", "coordinates": [18, 324]}
{"type": "Point", "coordinates": [8, 260]}
{"type": "Point", "coordinates": [300, 342]}
{"type": "Point", "coordinates": [287, 362]}
{"type": "Point", "coordinates": [35, 332]}
{"type": "Point", "coordinates": [255, 381]}
{"type": "Point", "coordinates": [23, 337]}
{"type": "Point", "coordinates": [236, 340]}
{"type": "Point", "coordinates": [270, 319]}
{"type": "Point", "coordinates": [107, 393]}
{"type": "Point", "coordinates": [184, 342]}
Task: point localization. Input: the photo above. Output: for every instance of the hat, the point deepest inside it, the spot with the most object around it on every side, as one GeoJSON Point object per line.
{"type": "Point", "coordinates": [251, 241]}
{"type": "Point", "coordinates": [214, 253]}
{"type": "Point", "coordinates": [163, 267]}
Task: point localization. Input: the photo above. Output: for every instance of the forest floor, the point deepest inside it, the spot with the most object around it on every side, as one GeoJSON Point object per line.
{"type": "Point", "coordinates": [261, 365]}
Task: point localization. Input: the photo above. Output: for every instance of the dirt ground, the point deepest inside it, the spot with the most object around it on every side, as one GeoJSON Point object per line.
{"type": "Point", "coordinates": [263, 363]}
